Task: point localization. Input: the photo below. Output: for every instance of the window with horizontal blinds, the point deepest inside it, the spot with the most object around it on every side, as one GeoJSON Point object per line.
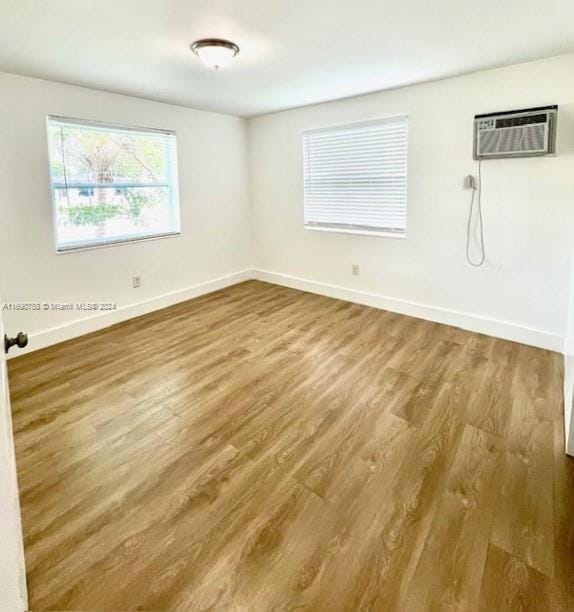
{"type": "Point", "coordinates": [355, 177]}
{"type": "Point", "coordinates": [110, 183]}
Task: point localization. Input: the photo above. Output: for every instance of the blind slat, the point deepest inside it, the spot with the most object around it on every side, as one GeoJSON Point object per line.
{"type": "Point", "coordinates": [355, 177]}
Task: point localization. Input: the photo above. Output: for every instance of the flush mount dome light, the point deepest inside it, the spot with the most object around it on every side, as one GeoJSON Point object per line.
{"type": "Point", "coordinates": [215, 52]}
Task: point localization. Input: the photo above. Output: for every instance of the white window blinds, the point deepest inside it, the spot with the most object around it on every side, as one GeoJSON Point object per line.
{"type": "Point", "coordinates": [110, 183]}
{"type": "Point", "coordinates": [355, 177]}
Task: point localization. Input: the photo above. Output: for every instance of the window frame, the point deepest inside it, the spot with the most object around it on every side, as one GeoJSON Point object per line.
{"type": "Point", "coordinates": [113, 242]}
{"type": "Point", "coordinates": [348, 229]}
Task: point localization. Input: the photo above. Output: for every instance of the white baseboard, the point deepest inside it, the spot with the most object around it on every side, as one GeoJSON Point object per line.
{"type": "Point", "coordinates": [73, 329]}
{"type": "Point", "coordinates": [475, 323]}
{"type": "Point", "coordinates": [470, 322]}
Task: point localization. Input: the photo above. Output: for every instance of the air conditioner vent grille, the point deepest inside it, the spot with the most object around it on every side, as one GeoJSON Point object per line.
{"type": "Point", "coordinates": [513, 140]}
{"type": "Point", "coordinates": [524, 120]}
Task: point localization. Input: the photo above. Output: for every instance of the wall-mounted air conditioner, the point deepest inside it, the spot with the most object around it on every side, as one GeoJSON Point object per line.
{"type": "Point", "coordinates": [521, 133]}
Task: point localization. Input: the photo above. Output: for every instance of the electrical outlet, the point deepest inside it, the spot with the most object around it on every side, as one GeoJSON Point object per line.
{"type": "Point", "coordinates": [356, 270]}
{"type": "Point", "coordinates": [469, 182]}
{"type": "Point", "coordinates": [136, 282]}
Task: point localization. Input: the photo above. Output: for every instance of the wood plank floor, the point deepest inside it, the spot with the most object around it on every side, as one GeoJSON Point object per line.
{"type": "Point", "coordinates": [261, 448]}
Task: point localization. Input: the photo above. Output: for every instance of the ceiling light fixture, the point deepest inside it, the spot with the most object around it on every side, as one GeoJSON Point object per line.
{"type": "Point", "coordinates": [215, 52]}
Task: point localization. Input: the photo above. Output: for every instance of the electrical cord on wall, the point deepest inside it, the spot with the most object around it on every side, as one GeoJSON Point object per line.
{"type": "Point", "coordinates": [480, 261]}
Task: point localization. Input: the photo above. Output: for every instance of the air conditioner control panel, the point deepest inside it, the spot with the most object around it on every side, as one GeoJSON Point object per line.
{"type": "Point", "coordinates": [486, 124]}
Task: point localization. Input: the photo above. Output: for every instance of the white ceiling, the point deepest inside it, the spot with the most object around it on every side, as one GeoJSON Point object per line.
{"type": "Point", "coordinates": [293, 52]}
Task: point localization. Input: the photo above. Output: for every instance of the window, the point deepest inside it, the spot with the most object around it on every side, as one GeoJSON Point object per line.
{"type": "Point", "coordinates": [111, 184]}
{"type": "Point", "coordinates": [355, 178]}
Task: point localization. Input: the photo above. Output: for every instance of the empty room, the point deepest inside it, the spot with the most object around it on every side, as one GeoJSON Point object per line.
{"type": "Point", "coordinates": [287, 306]}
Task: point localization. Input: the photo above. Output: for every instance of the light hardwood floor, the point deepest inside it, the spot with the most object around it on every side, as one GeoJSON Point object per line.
{"type": "Point", "coordinates": [261, 449]}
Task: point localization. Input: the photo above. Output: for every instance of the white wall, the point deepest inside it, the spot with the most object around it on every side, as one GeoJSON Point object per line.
{"type": "Point", "coordinates": [12, 572]}
{"type": "Point", "coordinates": [215, 243]}
{"type": "Point", "coordinates": [521, 293]}
{"type": "Point", "coordinates": [569, 371]}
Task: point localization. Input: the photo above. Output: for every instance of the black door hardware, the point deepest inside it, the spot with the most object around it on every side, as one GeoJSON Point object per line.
{"type": "Point", "coordinates": [21, 340]}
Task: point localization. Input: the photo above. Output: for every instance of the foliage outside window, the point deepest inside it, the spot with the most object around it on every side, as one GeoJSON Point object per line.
{"type": "Point", "coordinates": [111, 184]}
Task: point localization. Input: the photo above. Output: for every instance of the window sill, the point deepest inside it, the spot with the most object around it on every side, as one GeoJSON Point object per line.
{"type": "Point", "coordinates": [116, 243]}
{"type": "Point", "coordinates": [342, 230]}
